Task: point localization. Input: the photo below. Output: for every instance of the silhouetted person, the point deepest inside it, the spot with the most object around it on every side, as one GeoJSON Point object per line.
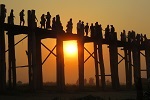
{"type": "Point", "coordinates": [98, 31]}
{"type": "Point", "coordinates": [86, 29]}
{"type": "Point", "coordinates": [138, 38]}
{"type": "Point", "coordinates": [145, 37]}
{"type": "Point", "coordinates": [11, 17]}
{"type": "Point", "coordinates": [22, 21]}
{"type": "Point", "coordinates": [69, 26]}
{"type": "Point", "coordinates": [107, 32]}
{"type": "Point", "coordinates": [59, 27]}
{"type": "Point", "coordinates": [123, 36]}
{"type": "Point", "coordinates": [79, 27]}
{"type": "Point", "coordinates": [3, 13]}
{"type": "Point", "coordinates": [112, 30]}
{"type": "Point", "coordinates": [132, 35]}
{"type": "Point", "coordinates": [48, 20]}
{"type": "Point", "coordinates": [92, 30]}
{"type": "Point", "coordinates": [53, 24]}
{"type": "Point", "coordinates": [43, 20]}
{"type": "Point", "coordinates": [82, 28]}
{"type": "Point", "coordinates": [129, 36]}
{"type": "Point", "coordinates": [112, 35]}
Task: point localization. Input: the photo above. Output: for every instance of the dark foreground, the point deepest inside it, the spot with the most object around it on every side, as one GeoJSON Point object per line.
{"type": "Point", "coordinates": [113, 95]}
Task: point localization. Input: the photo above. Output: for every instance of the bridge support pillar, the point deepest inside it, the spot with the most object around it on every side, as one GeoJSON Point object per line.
{"type": "Point", "coordinates": [96, 65]}
{"type": "Point", "coordinates": [101, 62]}
{"type": "Point", "coordinates": [128, 67]}
{"type": "Point", "coordinates": [34, 54]}
{"type": "Point", "coordinates": [147, 57]}
{"type": "Point", "coordinates": [2, 50]}
{"type": "Point", "coordinates": [113, 50]}
{"type": "Point", "coordinates": [60, 63]}
{"type": "Point", "coordinates": [12, 61]}
{"type": "Point", "coordinates": [80, 42]}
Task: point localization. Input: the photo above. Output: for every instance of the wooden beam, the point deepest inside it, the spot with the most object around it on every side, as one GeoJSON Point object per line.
{"type": "Point", "coordinates": [2, 50]}
{"type": "Point", "coordinates": [136, 67]}
{"type": "Point", "coordinates": [113, 51]}
{"type": "Point", "coordinates": [60, 63]}
{"type": "Point", "coordinates": [81, 62]}
{"type": "Point", "coordinates": [126, 67]}
{"type": "Point", "coordinates": [96, 65]}
{"type": "Point", "coordinates": [147, 57]}
{"type": "Point", "coordinates": [12, 61]}
{"type": "Point", "coordinates": [102, 68]}
{"type": "Point", "coordinates": [130, 67]}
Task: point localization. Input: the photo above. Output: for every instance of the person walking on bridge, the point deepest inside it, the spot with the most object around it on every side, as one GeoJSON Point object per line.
{"type": "Point", "coordinates": [22, 21]}
{"type": "Point", "coordinates": [48, 20]}
{"type": "Point", "coordinates": [86, 29]}
{"type": "Point", "coordinates": [11, 17]}
{"type": "Point", "coordinates": [43, 20]}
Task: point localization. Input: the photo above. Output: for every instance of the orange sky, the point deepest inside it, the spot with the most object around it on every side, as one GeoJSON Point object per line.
{"type": "Point", "coordinates": [123, 14]}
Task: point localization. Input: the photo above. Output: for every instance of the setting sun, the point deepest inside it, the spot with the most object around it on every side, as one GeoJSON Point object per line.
{"type": "Point", "coordinates": [70, 48]}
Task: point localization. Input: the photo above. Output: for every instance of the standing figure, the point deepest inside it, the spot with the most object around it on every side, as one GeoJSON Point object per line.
{"type": "Point", "coordinates": [59, 27]}
{"type": "Point", "coordinates": [79, 27]}
{"type": "Point", "coordinates": [92, 30]}
{"type": "Point", "coordinates": [43, 20]}
{"type": "Point", "coordinates": [22, 21]}
{"type": "Point", "coordinates": [100, 34]}
{"type": "Point", "coordinates": [48, 20]}
{"type": "Point", "coordinates": [86, 29]}
{"type": "Point", "coordinates": [123, 36]}
{"type": "Point", "coordinates": [54, 24]}
{"type": "Point", "coordinates": [69, 26]}
{"type": "Point", "coordinates": [11, 17]}
{"type": "Point", "coordinates": [113, 35]}
{"type": "Point", "coordinates": [107, 31]}
{"type": "Point", "coordinates": [112, 30]}
{"type": "Point", "coordinates": [82, 28]}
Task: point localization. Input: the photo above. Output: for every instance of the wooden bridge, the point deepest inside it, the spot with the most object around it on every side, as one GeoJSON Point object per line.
{"type": "Point", "coordinates": [132, 51]}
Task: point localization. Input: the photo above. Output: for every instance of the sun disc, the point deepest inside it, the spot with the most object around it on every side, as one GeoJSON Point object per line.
{"type": "Point", "coordinates": [70, 48]}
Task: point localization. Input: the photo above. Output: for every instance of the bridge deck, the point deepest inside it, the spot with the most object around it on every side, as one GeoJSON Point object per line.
{"type": "Point", "coordinates": [44, 33]}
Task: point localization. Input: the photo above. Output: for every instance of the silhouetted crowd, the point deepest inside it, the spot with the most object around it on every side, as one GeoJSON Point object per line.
{"type": "Point", "coordinates": [93, 31]}
{"type": "Point", "coordinates": [131, 36]}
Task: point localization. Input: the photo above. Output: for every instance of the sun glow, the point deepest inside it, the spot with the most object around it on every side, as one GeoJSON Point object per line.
{"type": "Point", "coordinates": [70, 48]}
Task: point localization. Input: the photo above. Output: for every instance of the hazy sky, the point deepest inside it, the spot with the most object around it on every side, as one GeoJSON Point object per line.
{"type": "Point", "coordinates": [123, 14]}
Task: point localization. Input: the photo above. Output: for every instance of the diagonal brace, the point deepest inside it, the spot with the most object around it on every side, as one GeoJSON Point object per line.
{"type": "Point", "coordinates": [18, 42]}
{"type": "Point", "coordinates": [51, 51]}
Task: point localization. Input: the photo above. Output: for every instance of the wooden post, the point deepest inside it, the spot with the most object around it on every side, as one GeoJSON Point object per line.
{"type": "Point", "coordinates": [30, 72]}
{"type": "Point", "coordinates": [12, 61]}
{"type": "Point", "coordinates": [96, 65]}
{"type": "Point", "coordinates": [137, 72]}
{"type": "Point", "coordinates": [136, 61]}
{"type": "Point", "coordinates": [2, 50]}
{"type": "Point", "coordinates": [114, 61]}
{"type": "Point", "coordinates": [128, 67]}
{"type": "Point", "coordinates": [81, 62]}
{"type": "Point", "coordinates": [34, 54]}
{"type": "Point", "coordinates": [147, 57]}
{"type": "Point", "coordinates": [101, 62]}
{"type": "Point", "coordinates": [39, 63]}
{"type": "Point", "coordinates": [30, 50]}
{"type": "Point", "coordinates": [60, 63]}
